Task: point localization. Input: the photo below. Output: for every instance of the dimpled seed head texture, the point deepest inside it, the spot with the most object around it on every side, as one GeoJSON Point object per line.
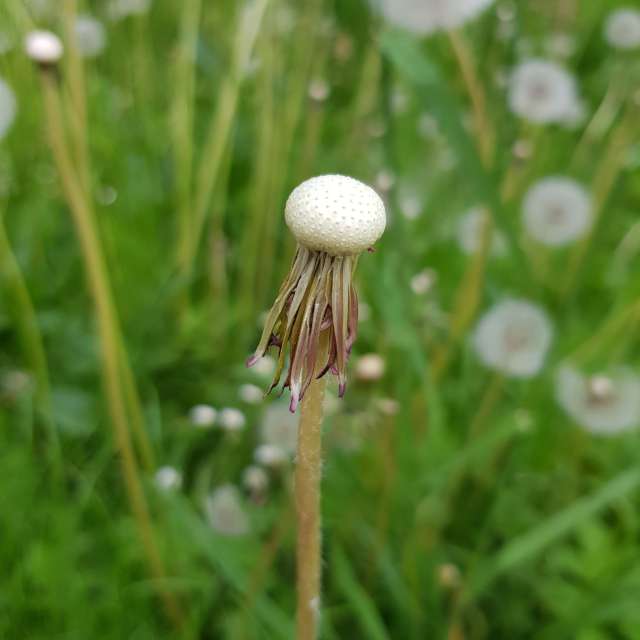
{"type": "Point", "coordinates": [335, 214]}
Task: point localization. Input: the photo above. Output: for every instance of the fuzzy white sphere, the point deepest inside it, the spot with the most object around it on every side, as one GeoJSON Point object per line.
{"type": "Point", "coordinates": [225, 511]}
{"type": "Point", "coordinates": [622, 28]}
{"type": "Point", "coordinates": [231, 419]}
{"type": "Point", "coordinates": [426, 16]}
{"type": "Point", "coordinates": [469, 233]}
{"type": "Point", "coordinates": [202, 416]}
{"type": "Point", "coordinates": [603, 405]}
{"type": "Point", "coordinates": [370, 367]}
{"type": "Point", "coordinates": [43, 46]}
{"type": "Point", "coordinates": [335, 214]}
{"type": "Point", "coordinates": [168, 479]}
{"type": "Point", "coordinates": [542, 92]}
{"type": "Point", "coordinates": [513, 337]}
{"type": "Point", "coordinates": [8, 108]}
{"type": "Point", "coordinates": [255, 479]}
{"type": "Point", "coordinates": [557, 211]}
{"type": "Point", "coordinates": [90, 36]}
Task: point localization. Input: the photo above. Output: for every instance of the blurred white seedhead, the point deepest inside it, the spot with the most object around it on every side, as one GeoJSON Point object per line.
{"type": "Point", "coordinates": [168, 479]}
{"type": "Point", "coordinates": [43, 47]}
{"type": "Point", "coordinates": [225, 511]}
{"type": "Point", "coordinates": [255, 479]}
{"type": "Point", "coordinates": [622, 28]}
{"type": "Point", "coordinates": [202, 416]}
{"type": "Point", "coordinates": [603, 405]}
{"type": "Point", "coordinates": [231, 419]}
{"type": "Point", "coordinates": [118, 9]}
{"type": "Point", "coordinates": [469, 233]}
{"type": "Point", "coordinates": [250, 393]}
{"type": "Point", "coordinates": [270, 455]}
{"type": "Point", "coordinates": [557, 211]}
{"type": "Point", "coordinates": [334, 218]}
{"type": "Point", "coordinates": [370, 367]}
{"type": "Point", "coordinates": [8, 108]}
{"type": "Point", "coordinates": [560, 45]}
{"type": "Point", "coordinates": [90, 36]}
{"type": "Point", "coordinates": [426, 16]}
{"type": "Point", "coordinates": [513, 338]}
{"type": "Point", "coordinates": [542, 92]}
{"type": "Point", "coordinates": [279, 428]}
{"type": "Point", "coordinates": [423, 281]}
{"type": "Point", "coordinates": [318, 90]}
{"type": "Point", "coordinates": [266, 366]}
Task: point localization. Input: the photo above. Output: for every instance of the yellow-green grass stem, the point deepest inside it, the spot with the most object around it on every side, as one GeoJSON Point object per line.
{"type": "Point", "coordinates": [308, 475]}
{"type": "Point", "coordinates": [111, 356]}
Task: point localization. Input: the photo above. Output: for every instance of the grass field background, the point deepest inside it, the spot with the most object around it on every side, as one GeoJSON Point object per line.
{"type": "Point", "coordinates": [458, 502]}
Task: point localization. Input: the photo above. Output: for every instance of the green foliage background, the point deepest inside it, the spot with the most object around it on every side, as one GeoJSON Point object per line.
{"type": "Point", "coordinates": [540, 519]}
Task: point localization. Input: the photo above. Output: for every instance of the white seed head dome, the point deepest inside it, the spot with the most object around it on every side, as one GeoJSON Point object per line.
{"type": "Point", "coordinates": [43, 46]}
{"type": "Point", "coordinates": [335, 214]}
{"type": "Point", "coordinates": [622, 28]}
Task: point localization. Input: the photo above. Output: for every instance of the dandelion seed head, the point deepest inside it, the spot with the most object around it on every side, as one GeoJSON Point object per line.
{"type": "Point", "coordinates": [424, 17]}
{"type": "Point", "coordinates": [557, 211]}
{"type": "Point", "coordinates": [622, 28]}
{"type": "Point", "coordinates": [270, 455]}
{"type": "Point", "coordinates": [469, 233]}
{"type": "Point", "coordinates": [43, 47]}
{"type": "Point", "coordinates": [90, 36]}
{"type": "Point", "coordinates": [225, 511]}
{"type": "Point", "coordinates": [601, 404]}
{"type": "Point", "coordinates": [202, 416]}
{"type": "Point", "coordinates": [255, 479]}
{"type": "Point", "coordinates": [250, 393]}
{"type": "Point", "coordinates": [319, 90]}
{"type": "Point", "coordinates": [8, 108]}
{"type": "Point", "coordinates": [279, 428]}
{"type": "Point", "coordinates": [542, 91]}
{"type": "Point", "coordinates": [423, 281]}
{"type": "Point", "coordinates": [168, 479]}
{"type": "Point", "coordinates": [513, 338]}
{"type": "Point", "coordinates": [370, 367]}
{"type": "Point", "coordinates": [231, 419]}
{"type": "Point", "coordinates": [335, 214]}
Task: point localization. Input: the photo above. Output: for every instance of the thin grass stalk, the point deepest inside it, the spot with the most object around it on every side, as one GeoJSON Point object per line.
{"type": "Point", "coordinates": [307, 494]}
{"type": "Point", "coordinates": [219, 134]}
{"type": "Point", "coordinates": [31, 339]}
{"type": "Point", "coordinates": [483, 128]}
{"type": "Point", "coordinates": [84, 222]}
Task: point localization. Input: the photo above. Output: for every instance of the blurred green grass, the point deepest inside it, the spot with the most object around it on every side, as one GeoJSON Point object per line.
{"type": "Point", "coordinates": [539, 519]}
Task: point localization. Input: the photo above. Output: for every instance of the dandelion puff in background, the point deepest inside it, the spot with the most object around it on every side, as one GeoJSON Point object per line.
{"type": "Point", "coordinates": [622, 28]}
{"type": "Point", "coordinates": [469, 233]}
{"type": "Point", "coordinates": [119, 9]}
{"type": "Point", "coordinates": [8, 108]}
{"type": "Point", "coordinates": [279, 428]}
{"type": "Point", "coordinates": [513, 338]}
{"type": "Point", "coordinates": [202, 416]}
{"type": "Point", "coordinates": [603, 405]}
{"type": "Point", "coordinates": [231, 419]}
{"type": "Point", "coordinates": [225, 512]}
{"type": "Point", "coordinates": [542, 92]}
{"type": "Point", "coordinates": [168, 479]}
{"type": "Point", "coordinates": [557, 211]}
{"type": "Point", "coordinates": [90, 36]}
{"type": "Point", "coordinates": [424, 17]}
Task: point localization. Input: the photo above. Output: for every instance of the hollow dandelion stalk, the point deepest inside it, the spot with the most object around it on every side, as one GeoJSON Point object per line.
{"type": "Point", "coordinates": [314, 322]}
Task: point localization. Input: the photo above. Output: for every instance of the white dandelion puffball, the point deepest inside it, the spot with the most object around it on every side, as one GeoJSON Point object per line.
{"type": "Point", "coordinates": [622, 28]}
{"type": "Point", "coordinates": [90, 36]}
{"type": "Point", "coordinates": [265, 366]}
{"type": "Point", "coordinates": [251, 394]}
{"type": "Point", "coordinates": [8, 108]}
{"type": "Point", "coordinates": [335, 214]}
{"type": "Point", "coordinates": [423, 281]}
{"type": "Point", "coordinates": [203, 416]}
{"type": "Point", "coordinates": [279, 428]}
{"type": "Point", "coordinates": [426, 16]}
{"type": "Point", "coordinates": [603, 405]}
{"type": "Point", "coordinates": [542, 92]}
{"type": "Point", "coordinates": [231, 419]}
{"type": "Point", "coordinates": [270, 455]}
{"type": "Point", "coordinates": [255, 479]}
{"type": "Point", "coordinates": [43, 47]}
{"type": "Point", "coordinates": [168, 479]}
{"type": "Point", "coordinates": [557, 211]}
{"type": "Point", "coordinates": [513, 337]}
{"type": "Point", "coordinates": [225, 511]}
{"type": "Point", "coordinates": [469, 233]}
{"type": "Point", "coordinates": [370, 367]}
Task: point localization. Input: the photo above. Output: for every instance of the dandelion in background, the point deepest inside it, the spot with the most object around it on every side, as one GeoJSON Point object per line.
{"type": "Point", "coordinates": [119, 9]}
{"type": "Point", "coordinates": [513, 338]}
{"type": "Point", "coordinates": [266, 366]}
{"type": "Point", "coordinates": [557, 211]}
{"type": "Point", "coordinates": [427, 16]}
{"type": "Point", "coordinates": [560, 45]}
{"type": "Point", "coordinates": [250, 393]}
{"type": "Point", "coordinates": [602, 404]}
{"type": "Point", "coordinates": [8, 108]}
{"type": "Point", "coordinates": [542, 92]}
{"type": "Point", "coordinates": [90, 36]}
{"type": "Point", "coordinates": [279, 428]}
{"type": "Point", "coordinates": [269, 455]}
{"type": "Point", "coordinates": [43, 47]}
{"type": "Point", "coordinates": [622, 28]}
{"type": "Point", "coordinates": [225, 511]}
{"type": "Point", "coordinates": [469, 233]}
{"type": "Point", "coordinates": [168, 479]}
{"type": "Point", "coordinates": [202, 416]}
{"type": "Point", "coordinates": [370, 367]}
{"type": "Point", "coordinates": [334, 218]}
{"type": "Point", "coordinates": [256, 480]}
{"type": "Point", "coordinates": [423, 281]}
{"type": "Point", "coordinates": [231, 419]}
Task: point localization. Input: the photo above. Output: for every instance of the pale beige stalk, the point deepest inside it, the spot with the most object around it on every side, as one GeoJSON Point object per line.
{"type": "Point", "coordinates": [307, 493]}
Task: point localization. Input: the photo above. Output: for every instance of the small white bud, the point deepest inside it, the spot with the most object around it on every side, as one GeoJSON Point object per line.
{"type": "Point", "coordinates": [43, 47]}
